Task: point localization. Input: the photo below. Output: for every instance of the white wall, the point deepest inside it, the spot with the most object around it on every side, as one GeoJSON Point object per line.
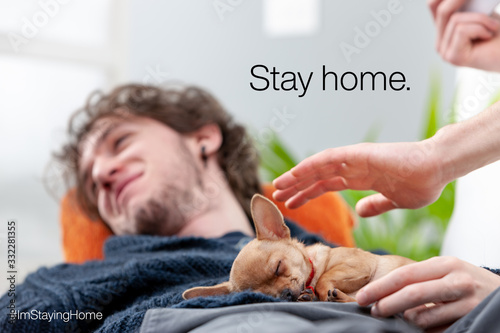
{"type": "Point", "coordinates": [188, 40]}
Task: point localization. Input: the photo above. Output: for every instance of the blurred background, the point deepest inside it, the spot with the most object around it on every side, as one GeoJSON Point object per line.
{"type": "Point", "coordinates": [53, 54]}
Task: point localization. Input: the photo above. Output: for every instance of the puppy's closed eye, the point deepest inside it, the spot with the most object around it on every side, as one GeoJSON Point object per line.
{"type": "Point", "coordinates": [277, 272]}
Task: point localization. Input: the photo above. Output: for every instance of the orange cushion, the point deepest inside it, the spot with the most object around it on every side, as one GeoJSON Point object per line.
{"type": "Point", "coordinates": [328, 215]}
{"type": "Point", "coordinates": [82, 238]}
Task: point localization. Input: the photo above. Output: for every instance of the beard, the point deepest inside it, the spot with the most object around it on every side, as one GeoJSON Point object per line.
{"type": "Point", "coordinates": [160, 215]}
{"type": "Point", "coordinates": [167, 212]}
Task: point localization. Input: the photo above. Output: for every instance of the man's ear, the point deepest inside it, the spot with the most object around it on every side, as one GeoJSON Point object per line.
{"type": "Point", "coordinates": [269, 224]}
{"type": "Point", "coordinates": [208, 136]}
{"type": "Point", "coordinates": [220, 289]}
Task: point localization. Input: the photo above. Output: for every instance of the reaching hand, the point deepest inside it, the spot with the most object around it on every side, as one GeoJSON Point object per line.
{"type": "Point", "coordinates": [466, 38]}
{"type": "Point", "coordinates": [431, 293]}
{"type": "Point", "coordinates": [407, 175]}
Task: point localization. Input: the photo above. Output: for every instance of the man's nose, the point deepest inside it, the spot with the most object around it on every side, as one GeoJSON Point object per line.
{"type": "Point", "coordinates": [105, 170]}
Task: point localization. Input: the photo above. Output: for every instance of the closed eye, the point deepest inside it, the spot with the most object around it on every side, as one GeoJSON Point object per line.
{"type": "Point", "coordinates": [277, 272]}
{"type": "Point", "coordinates": [119, 141]}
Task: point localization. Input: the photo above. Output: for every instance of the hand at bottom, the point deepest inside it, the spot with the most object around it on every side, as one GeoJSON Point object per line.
{"type": "Point", "coordinates": [431, 293]}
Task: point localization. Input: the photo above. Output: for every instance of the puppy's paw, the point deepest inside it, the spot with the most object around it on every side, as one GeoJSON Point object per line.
{"type": "Point", "coordinates": [332, 295]}
{"type": "Point", "coordinates": [336, 295]}
{"type": "Point", "coordinates": [307, 295]}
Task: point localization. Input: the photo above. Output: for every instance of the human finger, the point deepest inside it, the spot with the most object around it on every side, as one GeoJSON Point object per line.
{"type": "Point", "coordinates": [288, 185]}
{"type": "Point", "coordinates": [332, 159]}
{"type": "Point", "coordinates": [433, 4]}
{"type": "Point", "coordinates": [426, 270]}
{"type": "Point", "coordinates": [490, 25]}
{"type": "Point", "coordinates": [285, 181]}
{"type": "Point", "coordinates": [283, 195]}
{"type": "Point", "coordinates": [459, 52]}
{"type": "Point", "coordinates": [302, 197]}
{"type": "Point", "coordinates": [444, 10]}
{"type": "Point", "coordinates": [412, 295]}
{"type": "Point", "coordinates": [374, 204]}
{"type": "Point", "coordinates": [437, 315]}
{"type": "Point", "coordinates": [289, 179]}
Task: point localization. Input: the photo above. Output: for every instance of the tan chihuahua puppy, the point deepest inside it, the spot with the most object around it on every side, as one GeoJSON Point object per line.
{"type": "Point", "coordinates": [277, 265]}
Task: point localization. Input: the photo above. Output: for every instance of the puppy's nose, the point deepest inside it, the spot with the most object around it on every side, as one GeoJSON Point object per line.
{"type": "Point", "coordinates": [287, 295]}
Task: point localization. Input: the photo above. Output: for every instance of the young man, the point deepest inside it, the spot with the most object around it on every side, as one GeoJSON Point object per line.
{"type": "Point", "coordinates": [164, 162]}
{"type": "Point", "coordinates": [150, 162]}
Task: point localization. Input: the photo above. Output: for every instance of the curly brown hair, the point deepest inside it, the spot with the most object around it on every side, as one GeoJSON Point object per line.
{"type": "Point", "coordinates": [184, 109]}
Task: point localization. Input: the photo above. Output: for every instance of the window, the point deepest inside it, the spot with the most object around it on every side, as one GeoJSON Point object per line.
{"type": "Point", "coordinates": [53, 53]}
{"type": "Point", "coordinates": [290, 18]}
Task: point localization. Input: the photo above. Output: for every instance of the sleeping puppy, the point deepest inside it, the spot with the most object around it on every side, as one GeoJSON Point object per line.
{"type": "Point", "coordinates": [277, 265]}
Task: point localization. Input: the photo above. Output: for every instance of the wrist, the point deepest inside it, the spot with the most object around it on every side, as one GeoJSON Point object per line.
{"type": "Point", "coordinates": [468, 145]}
{"type": "Point", "coordinates": [444, 150]}
{"type": "Point", "coordinates": [439, 159]}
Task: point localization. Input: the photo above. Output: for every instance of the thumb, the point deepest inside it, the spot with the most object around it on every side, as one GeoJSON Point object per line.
{"type": "Point", "coordinates": [374, 204]}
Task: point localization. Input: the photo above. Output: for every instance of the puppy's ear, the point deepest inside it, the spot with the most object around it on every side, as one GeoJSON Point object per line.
{"type": "Point", "coordinates": [268, 220]}
{"type": "Point", "coordinates": [220, 289]}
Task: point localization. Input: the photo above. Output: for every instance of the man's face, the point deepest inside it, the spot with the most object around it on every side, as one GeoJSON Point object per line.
{"type": "Point", "coordinates": [141, 175]}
